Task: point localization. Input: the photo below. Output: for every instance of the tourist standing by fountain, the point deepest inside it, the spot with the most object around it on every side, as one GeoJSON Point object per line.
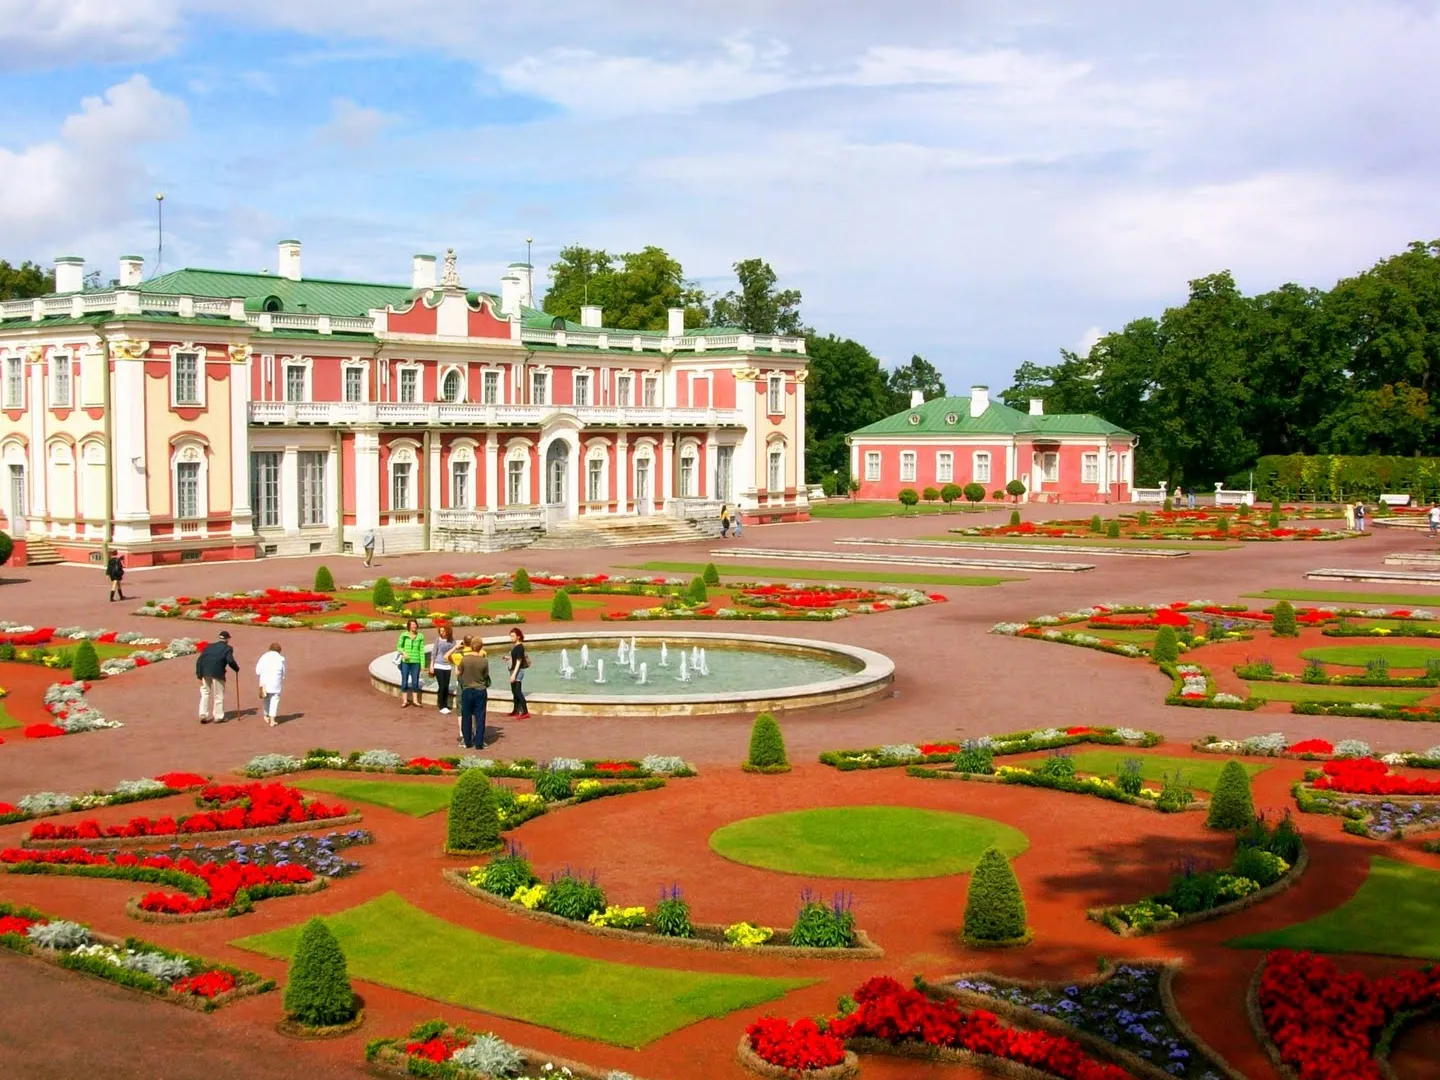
{"type": "Point", "coordinates": [410, 654]}
{"type": "Point", "coordinates": [472, 676]}
{"type": "Point", "coordinates": [518, 663]}
{"type": "Point", "coordinates": [440, 666]}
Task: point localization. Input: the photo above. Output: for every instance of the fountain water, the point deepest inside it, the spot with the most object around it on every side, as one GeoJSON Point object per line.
{"type": "Point", "coordinates": [634, 654]}
{"type": "Point", "coordinates": [599, 671]}
{"type": "Point", "coordinates": [632, 646]}
{"type": "Point", "coordinates": [704, 666]}
{"type": "Point", "coordinates": [644, 674]}
{"type": "Point", "coordinates": [584, 656]}
{"type": "Point", "coordinates": [566, 671]}
{"type": "Point", "coordinates": [684, 675]}
{"type": "Point", "coordinates": [621, 652]}
{"type": "Point", "coordinates": [664, 655]}
{"type": "Point", "coordinates": [694, 656]}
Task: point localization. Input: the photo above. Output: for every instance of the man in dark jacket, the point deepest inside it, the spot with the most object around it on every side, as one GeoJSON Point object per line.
{"type": "Point", "coordinates": [210, 667]}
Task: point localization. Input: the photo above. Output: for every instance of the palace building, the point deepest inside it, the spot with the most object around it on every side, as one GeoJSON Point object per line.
{"type": "Point", "coordinates": [959, 440]}
{"type": "Point", "coordinates": [209, 414]}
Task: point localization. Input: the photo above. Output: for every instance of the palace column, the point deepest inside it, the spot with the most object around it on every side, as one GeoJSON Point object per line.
{"type": "Point", "coordinates": [622, 472]}
{"type": "Point", "coordinates": [238, 384]}
{"type": "Point", "coordinates": [710, 465]}
{"type": "Point", "coordinates": [367, 479]}
{"type": "Point", "coordinates": [667, 471]}
{"type": "Point", "coordinates": [492, 472]}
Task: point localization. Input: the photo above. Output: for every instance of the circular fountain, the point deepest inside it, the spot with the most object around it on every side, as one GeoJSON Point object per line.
{"type": "Point", "coordinates": [673, 673]}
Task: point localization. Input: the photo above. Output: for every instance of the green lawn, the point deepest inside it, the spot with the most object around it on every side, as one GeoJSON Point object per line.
{"type": "Point", "coordinates": [1199, 774]}
{"type": "Point", "coordinates": [1395, 912]}
{"type": "Point", "coordinates": [811, 573]}
{"type": "Point", "coordinates": [6, 720]}
{"type": "Point", "coordinates": [845, 508]}
{"type": "Point", "coordinates": [872, 842]}
{"type": "Point", "coordinates": [1357, 599]}
{"type": "Point", "coordinates": [1089, 541]}
{"type": "Point", "coordinates": [387, 941]}
{"type": "Point", "coordinates": [534, 603]}
{"type": "Point", "coordinates": [1139, 637]}
{"type": "Point", "coordinates": [416, 798]}
{"type": "Point", "coordinates": [1396, 653]}
{"type": "Point", "coordinates": [1311, 692]}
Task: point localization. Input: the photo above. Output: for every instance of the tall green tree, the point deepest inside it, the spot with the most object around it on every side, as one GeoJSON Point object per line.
{"type": "Point", "coordinates": [24, 281]}
{"type": "Point", "coordinates": [758, 307]}
{"type": "Point", "coordinates": [1296, 356]}
{"type": "Point", "coordinates": [846, 390]}
{"type": "Point", "coordinates": [918, 374]}
{"type": "Point", "coordinates": [636, 290]}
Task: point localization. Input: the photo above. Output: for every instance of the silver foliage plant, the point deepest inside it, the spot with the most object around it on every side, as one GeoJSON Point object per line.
{"type": "Point", "coordinates": [143, 786]}
{"type": "Point", "coordinates": [491, 1056]}
{"type": "Point", "coordinates": [59, 934]}
{"type": "Point", "coordinates": [663, 764]}
{"type": "Point", "coordinates": [162, 968]}
{"type": "Point", "coordinates": [269, 764]}
{"type": "Point", "coordinates": [1352, 748]}
{"type": "Point", "coordinates": [380, 759]}
{"type": "Point", "coordinates": [45, 802]}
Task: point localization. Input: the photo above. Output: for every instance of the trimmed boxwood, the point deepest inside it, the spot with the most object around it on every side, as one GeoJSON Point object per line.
{"type": "Point", "coordinates": [317, 992]}
{"type": "Point", "coordinates": [1283, 620]}
{"type": "Point", "coordinates": [767, 746]}
{"type": "Point", "coordinates": [521, 582]}
{"type": "Point", "coordinates": [1166, 649]}
{"type": "Point", "coordinates": [711, 576]}
{"type": "Point", "coordinates": [382, 594]}
{"type": "Point", "coordinates": [473, 823]}
{"type": "Point", "coordinates": [324, 580]}
{"type": "Point", "coordinates": [697, 593]}
{"type": "Point", "coordinates": [561, 610]}
{"type": "Point", "coordinates": [86, 664]}
{"type": "Point", "coordinates": [1231, 805]}
{"type": "Point", "coordinates": [994, 907]}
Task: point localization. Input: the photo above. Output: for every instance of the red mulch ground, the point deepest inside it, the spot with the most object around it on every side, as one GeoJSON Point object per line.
{"type": "Point", "coordinates": [24, 703]}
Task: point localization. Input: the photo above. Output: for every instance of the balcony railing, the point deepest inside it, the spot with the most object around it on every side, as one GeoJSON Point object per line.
{"type": "Point", "coordinates": [339, 413]}
{"type": "Point", "coordinates": [489, 521]}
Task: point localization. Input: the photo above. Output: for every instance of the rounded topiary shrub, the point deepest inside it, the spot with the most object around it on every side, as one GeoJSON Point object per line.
{"type": "Point", "coordinates": [1166, 649]}
{"type": "Point", "coordinates": [561, 610]}
{"type": "Point", "coordinates": [1113, 529]}
{"type": "Point", "coordinates": [1232, 807]}
{"type": "Point", "coordinates": [1274, 521]}
{"type": "Point", "coordinates": [909, 496]}
{"type": "Point", "coordinates": [767, 746]}
{"type": "Point", "coordinates": [994, 908]}
{"type": "Point", "coordinates": [711, 576]}
{"type": "Point", "coordinates": [930, 494]}
{"type": "Point", "coordinates": [474, 820]}
{"type": "Point", "coordinates": [974, 493]}
{"type": "Point", "coordinates": [317, 992]}
{"type": "Point", "coordinates": [1096, 525]}
{"type": "Point", "coordinates": [1283, 623]}
{"type": "Point", "coordinates": [324, 580]}
{"type": "Point", "coordinates": [1014, 517]}
{"type": "Point", "coordinates": [1168, 506]}
{"type": "Point", "coordinates": [949, 493]}
{"type": "Point", "coordinates": [382, 594]}
{"type": "Point", "coordinates": [1015, 488]}
{"type": "Point", "coordinates": [86, 664]}
{"type": "Point", "coordinates": [697, 593]}
{"type": "Point", "coordinates": [521, 583]}
{"type": "Point", "coordinates": [6, 547]}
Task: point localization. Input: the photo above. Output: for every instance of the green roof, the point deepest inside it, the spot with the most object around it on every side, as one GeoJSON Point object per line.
{"type": "Point", "coordinates": [313, 296]}
{"type": "Point", "coordinates": [951, 416]}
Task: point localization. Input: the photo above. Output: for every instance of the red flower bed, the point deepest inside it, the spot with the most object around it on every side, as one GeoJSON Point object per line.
{"type": "Point", "coordinates": [255, 806]}
{"type": "Point", "coordinates": [1312, 746]}
{"type": "Point", "coordinates": [1366, 776]}
{"type": "Point", "coordinates": [1325, 1022]}
{"type": "Point", "coordinates": [810, 597]}
{"type": "Point", "coordinates": [555, 581]}
{"type": "Point", "coordinates": [447, 583]}
{"type": "Point", "coordinates": [437, 1048]}
{"type": "Point", "coordinates": [6, 808]}
{"type": "Point", "coordinates": [208, 984]}
{"type": "Point", "coordinates": [221, 881]}
{"type": "Point", "coordinates": [427, 763]}
{"type": "Point", "coordinates": [1079, 731]}
{"type": "Point", "coordinates": [939, 747]}
{"type": "Point", "coordinates": [887, 1011]}
{"type": "Point", "coordinates": [16, 924]}
{"type": "Point", "coordinates": [615, 766]}
{"type": "Point", "coordinates": [289, 602]}
{"type": "Point", "coordinates": [38, 636]}
{"type": "Point", "coordinates": [182, 780]}
{"type": "Point", "coordinates": [1152, 621]}
{"type": "Point", "coordinates": [801, 1045]}
{"type": "Point", "coordinates": [44, 731]}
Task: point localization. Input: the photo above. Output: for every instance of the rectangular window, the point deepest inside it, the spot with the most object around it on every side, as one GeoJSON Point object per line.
{"type": "Point", "coordinates": [14, 383]}
{"type": "Point", "coordinates": [265, 488]}
{"type": "Point", "coordinates": [1089, 469]}
{"type": "Point", "coordinates": [312, 487]}
{"type": "Point", "coordinates": [582, 389]}
{"type": "Point", "coordinates": [1050, 467]}
{"type": "Point", "coordinates": [60, 380]}
{"type": "Point", "coordinates": [872, 465]}
{"type": "Point", "coordinates": [294, 382]}
{"type": "Point", "coordinates": [652, 393]}
{"type": "Point", "coordinates": [982, 467]}
{"type": "Point", "coordinates": [724, 466]}
{"type": "Point", "coordinates": [945, 467]}
{"type": "Point", "coordinates": [622, 391]}
{"type": "Point", "coordinates": [777, 471]}
{"type": "Point", "coordinates": [775, 400]}
{"type": "Point", "coordinates": [595, 480]}
{"type": "Point", "coordinates": [460, 485]}
{"type": "Point", "coordinates": [539, 387]}
{"type": "Point", "coordinates": [400, 489]}
{"type": "Point", "coordinates": [354, 384]}
{"type": "Point", "coordinates": [490, 387]}
{"type": "Point", "coordinates": [907, 467]}
{"type": "Point", "coordinates": [187, 378]}
{"type": "Point", "coordinates": [187, 489]}
{"type": "Point", "coordinates": [409, 385]}
{"type": "Point", "coordinates": [515, 483]}
{"type": "Point", "coordinates": [687, 477]}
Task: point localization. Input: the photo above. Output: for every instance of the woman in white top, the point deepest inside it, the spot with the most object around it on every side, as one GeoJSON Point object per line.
{"type": "Point", "coordinates": [270, 670]}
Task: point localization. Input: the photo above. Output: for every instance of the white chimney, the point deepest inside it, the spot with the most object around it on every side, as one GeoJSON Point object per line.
{"type": "Point", "coordinates": [917, 398]}
{"type": "Point", "coordinates": [590, 316]}
{"type": "Point", "coordinates": [290, 259]}
{"type": "Point", "coordinates": [979, 400]}
{"type": "Point", "coordinates": [132, 270]}
{"type": "Point", "coordinates": [1037, 406]}
{"type": "Point", "coordinates": [69, 274]}
{"type": "Point", "coordinates": [422, 272]}
{"type": "Point", "coordinates": [525, 274]}
{"type": "Point", "coordinates": [510, 295]}
{"type": "Point", "coordinates": [677, 322]}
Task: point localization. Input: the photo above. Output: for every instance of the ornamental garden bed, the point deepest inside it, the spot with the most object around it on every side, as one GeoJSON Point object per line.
{"type": "Point", "coordinates": [1058, 774]}
{"type": "Point", "coordinates": [1208, 524]}
{"type": "Point", "coordinates": [1018, 742]}
{"type": "Point", "coordinates": [1374, 802]}
{"type": "Point", "coordinates": [47, 803]}
{"type": "Point", "coordinates": [176, 977]}
{"type": "Point", "coordinates": [1126, 1015]}
{"type": "Point", "coordinates": [386, 761]}
{"type": "Point", "coordinates": [1278, 745]}
{"type": "Point", "coordinates": [639, 924]}
{"type": "Point", "coordinates": [439, 1050]}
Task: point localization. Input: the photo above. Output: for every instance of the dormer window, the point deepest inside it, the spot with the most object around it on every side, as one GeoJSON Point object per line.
{"type": "Point", "coordinates": [914, 419]}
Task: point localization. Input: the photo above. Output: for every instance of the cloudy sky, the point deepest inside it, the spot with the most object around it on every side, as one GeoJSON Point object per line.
{"type": "Point", "coordinates": [982, 183]}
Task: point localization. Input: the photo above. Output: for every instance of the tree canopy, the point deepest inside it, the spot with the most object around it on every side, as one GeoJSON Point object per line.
{"type": "Point", "coordinates": [24, 281]}
{"type": "Point", "coordinates": [636, 290]}
{"type": "Point", "coordinates": [758, 307]}
{"type": "Point", "coordinates": [918, 374]}
{"type": "Point", "coordinates": [846, 390]}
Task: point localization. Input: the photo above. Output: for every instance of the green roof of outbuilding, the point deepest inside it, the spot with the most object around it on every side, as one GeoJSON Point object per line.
{"type": "Point", "coordinates": [951, 416]}
{"type": "Point", "coordinates": [314, 296]}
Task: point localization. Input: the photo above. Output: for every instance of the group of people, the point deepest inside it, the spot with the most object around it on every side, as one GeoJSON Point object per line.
{"type": "Point", "coordinates": [729, 521]}
{"type": "Point", "coordinates": [1356, 513]}
{"type": "Point", "coordinates": [467, 664]}
{"type": "Point", "coordinates": [213, 661]}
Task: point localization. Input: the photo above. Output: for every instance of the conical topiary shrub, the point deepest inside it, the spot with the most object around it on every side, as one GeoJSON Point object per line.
{"type": "Point", "coordinates": [1014, 517]}
{"type": "Point", "coordinates": [1096, 525]}
{"type": "Point", "coordinates": [994, 908]}
{"type": "Point", "coordinates": [561, 610]}
{"type": "Point", "coordinates": [324, 580]}
{"type": "Point", "coordinates": [767, 747]}
{"type": "Point", "coordinates": [317, 992]}
{"type": "Point", "coordinates": [1274, 521]}
{"type": "Point", "coordinates": [1283, 620]}
{"type": "Point", "coordinates": [697, 593]}
{"type": "Point", "coordinates": [521, 582]}
{"type": "Point", "coordinates": [1112, 530]}
{"type": "Point", "coordinates": [1232, 807]}
{"type": "Point", "coordinates": [382, 594]}
{"type": "Point", "coordinates": [711, 576]}
{"type": "Point", "coordinates": [1166, 649]}
{"type": "Point", "coordinates": [85, 665]}
{"type": "Point", "coordinates": [474, 821]}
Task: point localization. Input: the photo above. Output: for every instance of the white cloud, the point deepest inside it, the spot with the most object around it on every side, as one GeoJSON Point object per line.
{"type": "Point", "coordinates": [44, 33]}
{"type": "Point", "coordinates": [1087, 341]}
{"type": "Point", "coordinates": [354, 125]}
{"type": "Point", "coordinates": [64, 190]}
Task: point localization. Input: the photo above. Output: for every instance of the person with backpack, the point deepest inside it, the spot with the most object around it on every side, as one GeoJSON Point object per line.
{"type": "Point", "coordinates": [519, 661]}
{"type": "Point", "coordinates": [115, 571]}
{"type": "Point", "coordinates": [472, 672]}
{"type": "Point", "coordinates": [210, 667]}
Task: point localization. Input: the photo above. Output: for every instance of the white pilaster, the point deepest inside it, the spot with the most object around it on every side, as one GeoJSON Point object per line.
{"type": "Point", "coordinates": [432, 477]}
{"type": "Point", "coordinates": [667, 470]}
{"type": "Point", "coordinates": [238, 384]}
{"type": "Point", "coordinates": [1011, 454]}
{"type": "Point", "coordinates": [290, 489]}
{"type": "Point", "coordinates": [746, 452]}
{"type": "Point", "coordinates": [492, 472]}
{"type": "Point", "coordinates": [797, 439]}
{"type": "Point", "coordinates": [855, 462]}
{"type": "Point", "coordinates": [132, 503]}
{"type": "Point", "coordinates": [709, 470]}
{"type": "Point", "coordinates": [367, 480]}
{"type": "Point", "coordinates": [39, 452]}
{"type": "Point", "coordinates": [622, 473]}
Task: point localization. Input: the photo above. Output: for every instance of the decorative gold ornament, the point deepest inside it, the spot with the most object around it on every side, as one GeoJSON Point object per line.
{"type": "Point", "coordinates": [128, 349]}
{"type": "Point", "coordinates": [239, 353]}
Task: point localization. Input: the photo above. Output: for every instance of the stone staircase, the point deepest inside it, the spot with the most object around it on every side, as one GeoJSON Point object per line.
{"type": "Point", "coordinates": [39, 551]}
{"type": "Point", "coordinates": [621, 532]}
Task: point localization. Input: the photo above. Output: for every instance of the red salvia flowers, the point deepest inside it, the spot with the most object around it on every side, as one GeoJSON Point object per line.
{"type": "Point", "coordinates": [801, 1045]}
{"type": "Point", "coordinates": [437, 1048]}
{"type": "Point", "coordinates": [1366, 776]}
{"type": "Point", "coordinates": [238, 806]}
{"type": "Point", "coordinates": [208, 984]}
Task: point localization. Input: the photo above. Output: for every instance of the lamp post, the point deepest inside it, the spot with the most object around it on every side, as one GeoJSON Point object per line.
{"type": "Point", "coordinates": [159, 230]}
{"type": "Point", "coordinates": [530, 300]}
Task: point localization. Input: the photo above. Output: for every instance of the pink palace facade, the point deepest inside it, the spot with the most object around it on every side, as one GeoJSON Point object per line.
{"type": "Point", "coordinates": [962, 440]}
{"type": "Point", "coordinates": [207, 414]}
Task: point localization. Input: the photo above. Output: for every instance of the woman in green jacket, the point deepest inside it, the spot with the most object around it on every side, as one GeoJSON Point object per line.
{"type": "Point", "coordinates": [410, 654]}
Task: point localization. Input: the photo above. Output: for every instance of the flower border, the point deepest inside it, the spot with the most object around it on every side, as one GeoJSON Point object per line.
{"type": "Point", "coordinates": [388, 1055]}
{"type": "Point", "coordinates": [318, 824]}
{"type": "Point", "coordinates": [990, 778]}
{"type": "Point", "coordinates": [746, 1055]}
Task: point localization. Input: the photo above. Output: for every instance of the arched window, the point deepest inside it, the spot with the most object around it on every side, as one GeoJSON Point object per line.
{"type": "Point", "coordinates": [689, 469]}
{"type": "Point", "coordinates": [189, 481]}
{"type": "Point", "coordinates": [597, 474]}
{"type": "Point", "coordinates": [517, 474]}
{"type": "Point", "coordinates": [775, 470]}
{"type": "Point", "coordinates": [452, 387]}
{"type": "Point", "coordinates": [404, 481]}
{"type": "Point", "coordinates": [462, 477]}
